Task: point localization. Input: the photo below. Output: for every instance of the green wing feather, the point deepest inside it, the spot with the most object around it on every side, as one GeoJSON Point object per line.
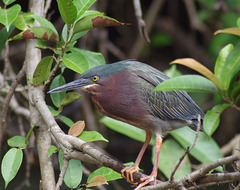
{"type": "Point", "coordinates": [166, 104]}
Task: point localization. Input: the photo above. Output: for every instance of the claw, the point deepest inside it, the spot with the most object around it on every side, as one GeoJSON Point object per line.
{"type": "Point", "coordinates": [145, 181]}
{"type": "Point", "coordinates": [129, 170]}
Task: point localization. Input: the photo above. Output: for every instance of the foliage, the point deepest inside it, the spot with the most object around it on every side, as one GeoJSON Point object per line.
{"type": "Point", "coordinates": [78, 21]}
{"type": "Point", "coordinates": [224, 80]}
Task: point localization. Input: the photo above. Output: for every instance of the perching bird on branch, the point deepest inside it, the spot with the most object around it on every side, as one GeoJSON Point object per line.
{"type": "Point", "coordinates": [125, 91]}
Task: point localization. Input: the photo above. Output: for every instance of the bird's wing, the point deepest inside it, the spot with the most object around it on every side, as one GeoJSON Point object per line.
{"type": "Point", "coordinates": [167, 104]}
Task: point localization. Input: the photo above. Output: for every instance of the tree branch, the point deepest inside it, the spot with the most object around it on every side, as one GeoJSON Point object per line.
{"type": "Point", "coordinates": [198, 175]}
{"type": "Point", "coordinates": [63, 171]}
{"type": "Point", "coordinates": [230, 146]}
{"type": "Point", "coordinates": [141, 23]}
{"type": "Point", "coordinates": [71, 143]}
{"type": "Point", "coordinates": [42, 135]}
{"type": "Point", "coordinates": [188, 149]}
{"type": "Point", "coordinates": [150, 20]}
{"type": "Point", "coordinates": [7, 99]}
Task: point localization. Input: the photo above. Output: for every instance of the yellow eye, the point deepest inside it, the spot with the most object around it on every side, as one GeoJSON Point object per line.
{"type": "Point", "coordinates": [95, 78]}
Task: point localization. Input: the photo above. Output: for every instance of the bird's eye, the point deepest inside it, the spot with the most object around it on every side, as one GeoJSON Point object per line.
{"type": "Point", "coordinates": [95, 78]}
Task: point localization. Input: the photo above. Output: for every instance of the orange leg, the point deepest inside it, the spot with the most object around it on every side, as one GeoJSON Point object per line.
{"type": "Point", "coordinates": [153, 175]}
{"type": "Point", "coordinates": [129, 170]}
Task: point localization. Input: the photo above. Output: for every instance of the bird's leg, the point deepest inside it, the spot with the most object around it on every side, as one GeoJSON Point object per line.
{"type": "Point", "coordinates": [153, 175]}
{"type": "Point", "coordinates": [129, 170]}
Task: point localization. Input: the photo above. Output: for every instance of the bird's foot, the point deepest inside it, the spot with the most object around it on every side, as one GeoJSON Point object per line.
{"type": "Point", "coordinates": [145, 181]}
{"type": "Point", "coordinates": [127, 173]}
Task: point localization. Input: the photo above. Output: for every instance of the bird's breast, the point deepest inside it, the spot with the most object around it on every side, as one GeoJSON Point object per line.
{"type": "Point", "coordinates": [118, 97]}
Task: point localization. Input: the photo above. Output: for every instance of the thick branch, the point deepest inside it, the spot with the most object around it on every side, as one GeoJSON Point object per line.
{"type": "Point", "coordinates": [42, 135]}
{"type": "Point", "coordinates": [72, 143]}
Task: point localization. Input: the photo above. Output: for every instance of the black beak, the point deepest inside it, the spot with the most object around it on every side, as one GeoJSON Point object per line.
{"type": "Point", "coordinates": [80, 83]}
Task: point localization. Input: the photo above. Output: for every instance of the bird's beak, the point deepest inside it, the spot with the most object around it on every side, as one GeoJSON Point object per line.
{"type": "Point", "coordinates": [80, 83]}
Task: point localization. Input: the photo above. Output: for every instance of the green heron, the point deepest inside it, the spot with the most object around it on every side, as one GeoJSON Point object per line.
{"type": "Point", "coordinates": [125, 91]}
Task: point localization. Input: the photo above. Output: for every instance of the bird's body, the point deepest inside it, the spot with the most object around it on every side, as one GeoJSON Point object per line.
{"type": "Point", "coordinates": [134, 100]}
{"type": "Point", "coordinates": [125, 91]}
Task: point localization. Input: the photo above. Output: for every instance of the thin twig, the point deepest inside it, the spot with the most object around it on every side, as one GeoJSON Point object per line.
{"type": "Point", "coordinates": [7, 99]}
{"type": "Point", "coordinates": [6, 61]}
{"type": "Point", "coordinates": [63, 171]}
{"type": "Point", "coordinates": [237, 187]}
{"type": "Point", "coordinates": [150, 19]}
{"type": "Point", "coordinates": [47, 7]}
{"type": "Point", "coordinates": [52, 74]}
{"type": "Point", "coordinates": [194, 21]}
{"type": "Point", "coordinates": [201, 177]}
{"type": "Point", "coordinates": [141, 23]}
{"type": "Point", "coordinates": [26, 156]}
{"type": "Point", "coordinates": [229, 147]}
{"type": "Point", "coordinates": [188, 149]}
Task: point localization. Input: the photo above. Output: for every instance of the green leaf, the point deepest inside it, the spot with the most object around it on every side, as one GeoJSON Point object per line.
{"type": "Point", "coordinates": [82, 6]}
{"type": "Point", "coordinates": [221, 60]}
{"type": "Point", "coordinates": [9, 15]}
{"type": "Point", "coordinates": [108, 173]}
{"type": "Point", "coordinates": [42, 70]}
{"type": "Point", "coordinates": [53, 111]}
{"type": "Point", "coordinates": [76, 62]}
{"type": "Point", "coordinates": [94, 58]}
{"type": "Point", "coordinates": [11, 163]}
{"type": "Point", "coordinates": [42, 44]}
{"type": "Point", "coordinates": [4, 35]}
{"type": "Point", "coordinates": [126, 129]}
{"type": "Point", "coordinates": [17, 141]}
{"type": "Point", "coordinates": [24, 21]}
{"type": "Point", "coordinates": [70, 97]}
{"type": "Point", "coordinates": [59, 96]}
{"type": "Point", "coordinates": [188, 83]}
{"type": "Point", "coordinates": [235, 91]}
{"type": "Point", "coordinates": [89, 136]}
{"type": "Point", "coordinates": [8, 2]}
{"type": "Point", "coordinates": [45, 23]}
{"type": "Point", "coordinates": [195, 65]}
{"type": "Point", "coordinates": [78, 35]}
{"type": "Point", "coordinates": [212, 118]}
{"type": "Point", "coordinates": [67, 10]}
{"type": "Point", "coordinates": [41, 33]}
{"type": "Point", "coordinates": [170, 154]}
{"type": "Point", "coordinates": [230, 68]}
{"type": "Point", "coordinates": [75, 36]}
{"type": "Point", "coordinates": [73, 176]}
{"type": "Point", "coordinates": [51, 150]}
{"type": "Point", "coordinates": [206, 149]}
{"type": "Point", "coordinates": [172, 72]}
{"type": "Point", "coordinates": [95, 21]}
{"type": "Point", "coordinates": [66, 121]}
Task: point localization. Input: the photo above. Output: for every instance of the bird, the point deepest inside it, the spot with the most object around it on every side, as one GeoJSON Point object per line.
{"type": "Point", "coordinates": [125, 91]}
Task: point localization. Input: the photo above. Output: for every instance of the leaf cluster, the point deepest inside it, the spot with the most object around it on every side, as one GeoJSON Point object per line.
{"type": "Point", "coordinates": [78, 21]}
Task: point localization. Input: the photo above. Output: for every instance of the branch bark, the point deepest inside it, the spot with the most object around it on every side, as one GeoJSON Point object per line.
{"type": "Point", "coordinates": [8, 98]}
{"type": "Point", "coordinates": [72, 143]}
{"type": "Point", "coordinates": [42, 135]}
{"type": "Point", "coordinates": [150, 20]}
{"type": "Point", "coordinates": [200, 176]}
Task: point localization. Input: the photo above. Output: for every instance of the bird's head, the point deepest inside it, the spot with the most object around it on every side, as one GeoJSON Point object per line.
{"type": "Point", "coordinates": [94, 77]}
